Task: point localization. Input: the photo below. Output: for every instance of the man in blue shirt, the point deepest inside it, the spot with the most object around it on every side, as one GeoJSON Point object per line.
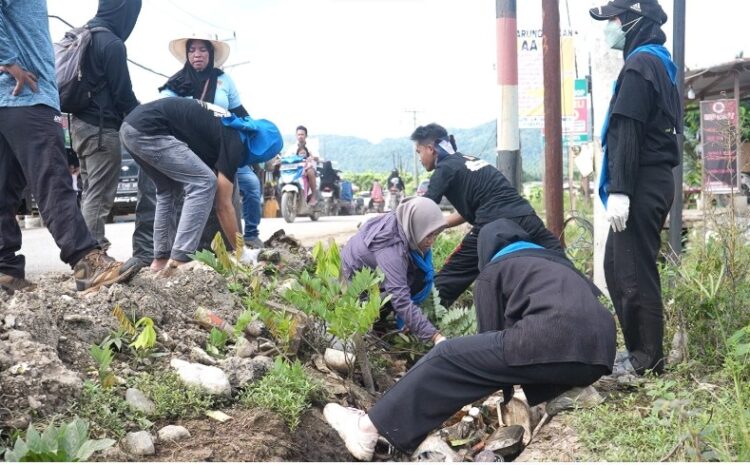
{"type": "Point", "coordinates": [32, 151]}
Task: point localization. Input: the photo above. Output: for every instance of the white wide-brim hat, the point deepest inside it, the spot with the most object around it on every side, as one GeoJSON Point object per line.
{"type": "Point", "coordinates": [178, 48]}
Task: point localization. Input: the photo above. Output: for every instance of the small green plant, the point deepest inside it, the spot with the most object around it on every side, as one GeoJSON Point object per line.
{"type": "Point", "coordinates": [285, 389]}
{"type": "Point", "coordinates": [217, 342]}
{"type": "Point", "coordinates": [327, 259]}
{"type": "Point", "coordinates": [146, 339]}
{"type": "Point", "coordinates": [340, 305]}
{"type": "Point", "coordinates": [67, 443]}
{"type": "Point", "coordinates": [103, 356]}
{"type": "Point", "coordinates": [208, 258]}
{"type": "Point", "coordinates": [172, 398]}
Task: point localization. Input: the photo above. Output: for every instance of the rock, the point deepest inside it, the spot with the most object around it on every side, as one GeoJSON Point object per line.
{"type": "Point", "coordinates": [487, 456]}
{"type": "Point", "coordinates": [211, 379]}
{"type": "Point", "coordinates": [199, 355]}
{"type": "Point", "coordinates": [339, 360]}
{"type": "Point", "coordinates": [243, 371]}
{"type": "Point", "coordinates": [173, 433]}
{"type": "Point", "coordinates": [255, 329]}
{"type": "Point", "coordinates": [10, 321]}
{"type": "Point", "coordinates": [140, 443]}
{"type": "Point", "coordinates": [434, 449]}
{"type": "Point", "coordinates": [244, 348]}
{"type": "Point", "coordinates": [34, 404]}
{"type": "Point", "coordinates": [138, 401]}
{"type": "Point", "coordinates": [474, 412]}
{"type": "Point", "coordinates": [506, 441]}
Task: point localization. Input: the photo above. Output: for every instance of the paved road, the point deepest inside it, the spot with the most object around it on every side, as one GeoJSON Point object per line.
{"type": "Point", "coordinates": [42, 255]}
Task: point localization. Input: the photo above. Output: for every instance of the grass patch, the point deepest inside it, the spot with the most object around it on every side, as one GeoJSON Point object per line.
{"type": "Point", "coordinates": [107, 412]}
{"type": "Point", "coordinates": [172, 397]}
{"type": "Point", "coordinates": [286, 390]}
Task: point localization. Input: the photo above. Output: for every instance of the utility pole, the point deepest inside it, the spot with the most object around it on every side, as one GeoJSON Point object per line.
{"type": "Point", "coordinates": [416, 157]}
{"type": "Point", "coordinates": [678, 47]}
{"type": "Point", "coordinates": [553, 193]}
{"type": "Point", "coordinates": [508, 136]}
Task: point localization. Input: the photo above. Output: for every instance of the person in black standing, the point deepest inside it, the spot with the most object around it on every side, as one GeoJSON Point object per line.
{"type": "Point", "coordinates": [480, 194]}
{"type": "Point", "coordinates": [95, 130]}
{"type": "Point", "coordinates": [637, 188]}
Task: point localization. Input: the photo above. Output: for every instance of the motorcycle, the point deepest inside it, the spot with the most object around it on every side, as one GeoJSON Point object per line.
{"type": "Point", "coordinates": [394, 198]}
{"type": "Point", "coordinates": [330, 202]}
{"type": "Point", "coordinates": [293, 198]}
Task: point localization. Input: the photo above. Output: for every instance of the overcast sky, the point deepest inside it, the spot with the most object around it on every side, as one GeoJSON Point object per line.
{"type": "Point", "coordinates": [354, 67]}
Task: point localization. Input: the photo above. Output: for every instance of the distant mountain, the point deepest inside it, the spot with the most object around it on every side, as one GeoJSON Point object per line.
{"type": "Point", "coordinates": [353, 154]}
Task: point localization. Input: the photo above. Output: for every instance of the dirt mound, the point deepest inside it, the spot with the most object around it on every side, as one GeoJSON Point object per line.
{"type": "Point", "coordinates": [255, 435]}
{"type": "Point", "coordinates": [45, 334]}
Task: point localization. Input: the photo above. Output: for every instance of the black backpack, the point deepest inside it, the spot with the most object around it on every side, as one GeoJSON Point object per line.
{"type": "Point", "coordinates": [75, 92]}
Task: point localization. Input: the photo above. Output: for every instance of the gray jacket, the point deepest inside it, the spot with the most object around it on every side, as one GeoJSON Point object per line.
{"type": "Point", "coordinates": [381, 244]}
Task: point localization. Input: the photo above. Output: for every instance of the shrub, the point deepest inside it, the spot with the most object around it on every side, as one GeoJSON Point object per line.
{"type": "Point", "coordinates": [173, 398]}
{"type": "Point", "coordinates": [107, 411]}
{"type": "Point", "coordinates": [286, 390]}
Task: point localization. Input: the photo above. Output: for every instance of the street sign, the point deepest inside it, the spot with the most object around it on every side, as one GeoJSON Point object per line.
{"type": "Point", "coordinates": [719, 123]}
{"type": "Point", "coordinates": [577, 127]}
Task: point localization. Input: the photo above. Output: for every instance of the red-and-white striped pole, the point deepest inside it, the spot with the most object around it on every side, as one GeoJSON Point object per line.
{"type": "Point", "coordinates": [508, 138]}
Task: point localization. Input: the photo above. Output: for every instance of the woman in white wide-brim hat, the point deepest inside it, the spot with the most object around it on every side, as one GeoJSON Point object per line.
{"type": "Point", "coordinates": [201, 77]}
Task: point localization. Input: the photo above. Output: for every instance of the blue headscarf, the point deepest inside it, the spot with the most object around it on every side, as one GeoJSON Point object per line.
{"type": "Point", "coordinates": [663, 54]}
{"type": "Point", "coordinates": [261, 138]}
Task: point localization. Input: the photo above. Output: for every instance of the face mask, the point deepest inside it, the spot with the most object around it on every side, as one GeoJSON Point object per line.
{"type": "Point", "coordinates": [614, 33]}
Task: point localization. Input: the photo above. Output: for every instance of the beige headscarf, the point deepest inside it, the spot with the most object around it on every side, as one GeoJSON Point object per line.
{"type": "Point", "coordinates": [419, 217]}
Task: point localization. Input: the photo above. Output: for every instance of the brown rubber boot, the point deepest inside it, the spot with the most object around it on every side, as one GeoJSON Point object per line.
{"type": "Point", "coordinates": [98, 269]}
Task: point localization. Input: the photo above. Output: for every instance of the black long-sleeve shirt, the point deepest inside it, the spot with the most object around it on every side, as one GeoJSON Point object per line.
{"type": "Point", "coordinates": [641, 131]}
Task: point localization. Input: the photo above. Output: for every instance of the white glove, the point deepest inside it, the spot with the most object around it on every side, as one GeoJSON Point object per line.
{"type": "Point", "coordinates": [618, 209]}
{"type": "Point", "coordinates": [438, 338]}
{"type": "Point", "coordinates": [249, 256]}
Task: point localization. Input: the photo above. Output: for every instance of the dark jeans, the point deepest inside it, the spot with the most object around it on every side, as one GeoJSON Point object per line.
{"type": "Point", "coordinates": [460, 371]}
{"type": "Point", "coordinates": [631, 271]}
{"type": "Point", "coordinates": [32, 152]}
{"type": "Point", "coordinates": [145, 210]}
{"type": "Point", "coordinates": [462, 267]}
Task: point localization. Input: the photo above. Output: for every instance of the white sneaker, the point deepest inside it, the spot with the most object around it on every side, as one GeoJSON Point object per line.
{"type": "Point", "coordinates": [346, 422]}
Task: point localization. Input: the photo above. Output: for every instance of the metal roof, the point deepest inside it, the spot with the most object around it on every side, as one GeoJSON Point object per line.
{"type": "Point", "coordinates": [718, 81]}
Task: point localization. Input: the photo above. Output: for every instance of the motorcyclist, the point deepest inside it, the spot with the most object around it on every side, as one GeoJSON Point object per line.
{"type": "Point", "coordinates": [395, 181]}
{"type": "Point", "coordinates": [329, 178]}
